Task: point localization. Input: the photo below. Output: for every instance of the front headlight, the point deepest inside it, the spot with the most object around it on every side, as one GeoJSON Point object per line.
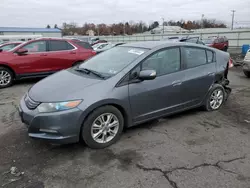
{"type": "Point", "coordinates": [59, 106]}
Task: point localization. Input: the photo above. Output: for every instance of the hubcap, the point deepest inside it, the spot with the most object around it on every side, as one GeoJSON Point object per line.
{"type": "Point", "coordinates": [5, 78]}
{"type": "Point", "coordinates": [105, 128]}
{"type": "Point", "coordinates": [216, 99]}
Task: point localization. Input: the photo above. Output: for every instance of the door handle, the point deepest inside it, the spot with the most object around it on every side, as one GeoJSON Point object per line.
{"type": "Point", "coordinates": [72, 52]}
{"type": "Point", "coordinates": [176, 83]}
{"type": "Point", "coordinates": [43, 55]}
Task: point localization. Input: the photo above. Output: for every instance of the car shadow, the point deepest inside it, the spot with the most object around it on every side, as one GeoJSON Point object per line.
{"type": "Point", "coordinates": [27, 81]}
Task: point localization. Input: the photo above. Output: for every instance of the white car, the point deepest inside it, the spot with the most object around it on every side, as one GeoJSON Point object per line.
{"type": "Point", "coordinates": [99, 46]}
{"type": "Point", "coordinates": [246, 64]}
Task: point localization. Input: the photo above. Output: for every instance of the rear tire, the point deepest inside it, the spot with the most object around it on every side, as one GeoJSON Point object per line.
{"type": "Point", "coordinates": [6, 77]}
{"type": "Point", "coordinates": [225, 49]}
{"type": "Point", "coordinates": [99, 122]}
{"type": "Point", "coordinates": [215, 98]}
{"type": "Point", "coordinates": [247, 73]}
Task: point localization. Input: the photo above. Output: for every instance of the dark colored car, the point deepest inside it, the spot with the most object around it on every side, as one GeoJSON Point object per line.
{"type": "Point", "coordinates": [195, 40]}
{"type": "Point", "coordinates": [220, 43]}
{"type": "Point", "coordinates": [109, 46]}
{"type": "Point", "coordinates": [122, 87]}
{"type": "Point", "coordinates": [41, 57]}
{"type": "Point", "coordinates": [9, 45]}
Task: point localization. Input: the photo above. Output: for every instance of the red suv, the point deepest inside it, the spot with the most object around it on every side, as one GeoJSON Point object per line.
{"type": "Point", "coordinates": [220, 43]}
{"type": "Point", "coordinates": [41, 57]}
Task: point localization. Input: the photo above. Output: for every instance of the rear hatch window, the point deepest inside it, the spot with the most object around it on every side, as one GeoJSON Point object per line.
{"type": "Point", "coordinates": [84, 45]}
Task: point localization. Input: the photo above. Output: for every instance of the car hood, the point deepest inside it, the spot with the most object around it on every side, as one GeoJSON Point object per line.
{"type": "Point", "coordinates": [61, 86]}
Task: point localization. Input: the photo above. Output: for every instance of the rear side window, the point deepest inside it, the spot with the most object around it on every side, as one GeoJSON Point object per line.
{"type": "Point", "coordinates": [221, 40]}
{"type": "Point", "coordinates": [57, 45]}
{"type": "Point", "coordinates": [84, 44]}
{"type": "Point", "coordinates": [195, 57]}
{"type": "Point", "coordinates": [210, 56]}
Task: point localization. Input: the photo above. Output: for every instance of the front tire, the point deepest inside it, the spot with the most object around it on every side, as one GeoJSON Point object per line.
{"type": "Point", "coordinates": [215, 98]}
{"type": "Point", "coordinates": [6, 77]}
{"type": "Point", "coordinates": [247, 73]}
{"type": "Point", "coordinates": [103, 127]}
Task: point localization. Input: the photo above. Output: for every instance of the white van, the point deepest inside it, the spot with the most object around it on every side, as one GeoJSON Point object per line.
{"type": "Point", "coordinates": [246, 64]}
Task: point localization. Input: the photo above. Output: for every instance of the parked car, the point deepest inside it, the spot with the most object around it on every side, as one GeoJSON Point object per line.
{"type": "Point", "coordinates": [9, 45]}
{"type": "Point", "coordinates": [99, 46]}
{"type": "Point", "coordinates": [122, 87]}
{"type": "Point", "coordinates": [246, 64]}
{"type": "Point", "coordinates": [220, 43]}
{"type": "Point", "coordinates": [195, 40]}
{"type": "Point", "coordinates": [41, 57]}
{"type": "Point", "coordinates": [96, 41]}
{"type": "Point", "coordinates": [109, 46]}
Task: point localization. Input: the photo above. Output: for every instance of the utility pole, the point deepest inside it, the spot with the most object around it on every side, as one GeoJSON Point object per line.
{"type": "Point", "coordinates": [163, 24]}
{"type": "Point", "coordinates": [124, 29]}
{"type": "Point", "coordinates": [202, 21]}
{"type": "Point", "coordinates": [232, 27]}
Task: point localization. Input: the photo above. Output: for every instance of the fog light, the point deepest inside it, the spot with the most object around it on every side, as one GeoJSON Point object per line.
{"type": "Point", "coordinates": [47, 130]}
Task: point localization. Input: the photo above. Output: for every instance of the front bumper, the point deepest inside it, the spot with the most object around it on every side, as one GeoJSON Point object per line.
{"type": "Point", "coordinates": [58, 127]}
{"type": "Point", "coordinates": [246, 65]}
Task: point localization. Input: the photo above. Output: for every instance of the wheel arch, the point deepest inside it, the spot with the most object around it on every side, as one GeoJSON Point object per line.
{"type": "Point", "coordinates": [8, 67]}
{"type": "Point", "coordinates": [119, 106]}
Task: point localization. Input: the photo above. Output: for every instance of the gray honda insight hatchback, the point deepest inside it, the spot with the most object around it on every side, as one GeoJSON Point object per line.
{"type": "Point", "coordinates": [122, 87]}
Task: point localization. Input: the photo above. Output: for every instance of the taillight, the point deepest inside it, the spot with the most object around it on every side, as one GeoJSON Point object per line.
{"type": "Point", "coordinates": [93, 52]}
{"type": "Point", "coordinates": [230, 63]}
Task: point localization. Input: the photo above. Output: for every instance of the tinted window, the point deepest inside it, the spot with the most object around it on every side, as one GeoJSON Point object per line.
{"type": "Point", "coordinates": [57, 45]}
{"type": "Point", "coordinates": [7, 47]}
{"type": "Point", "coordinates": [38, 46]}
{"type": "Point", "coordinates": [195, 57]}
{"type": "Point", "coordinates": [163, 62]}
{"type": "Point", "coordinates": [221, 40]}
{"type": "Point", "coordinates": [84, 44]}
{"type": "Point", "coordinates": [210, 56]}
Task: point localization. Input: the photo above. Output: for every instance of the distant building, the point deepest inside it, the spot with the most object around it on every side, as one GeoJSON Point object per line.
{"type": "Point", "coordinates": [90, 32]}
{"type": "Point", "coordinates": [168, 29]}
{"type": "Point", "coordinates": [45, 32]}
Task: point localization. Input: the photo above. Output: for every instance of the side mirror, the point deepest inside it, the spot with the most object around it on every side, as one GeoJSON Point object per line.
{"type": "Point", "coordinates": [21, 51]}
{"type": "Point", "coordinates": [1, 50]}
{"type": "Point", "coordinates": [147, 75]}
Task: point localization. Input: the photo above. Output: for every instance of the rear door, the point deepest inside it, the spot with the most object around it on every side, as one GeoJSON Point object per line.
{"type": "Point", "coordinates": [61, 55]}
{"type": "Point", "coordinates": [199, 74]}
{"type": "Point", "coordinates": [152, 98]}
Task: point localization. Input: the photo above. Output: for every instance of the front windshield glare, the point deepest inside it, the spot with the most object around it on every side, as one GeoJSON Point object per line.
{"type": "Point", "coordinates": [112, 61]}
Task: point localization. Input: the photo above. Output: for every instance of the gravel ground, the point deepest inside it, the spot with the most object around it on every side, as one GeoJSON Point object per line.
{"type": "Point", "coordinates": [195, 149]}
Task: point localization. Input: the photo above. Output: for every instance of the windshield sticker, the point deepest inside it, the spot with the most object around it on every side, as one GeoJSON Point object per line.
{"type": "Point", "coordinates": [136, 51]}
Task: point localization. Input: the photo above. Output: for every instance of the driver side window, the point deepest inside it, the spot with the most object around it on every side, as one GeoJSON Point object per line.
{"type": "Point", "coordinates": [37, 46]}
{"type": "Point", "coordinates": [164, 62]}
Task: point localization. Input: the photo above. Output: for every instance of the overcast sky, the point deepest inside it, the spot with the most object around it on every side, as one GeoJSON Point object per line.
{"type": "Point", "coordinates": [39, 13]}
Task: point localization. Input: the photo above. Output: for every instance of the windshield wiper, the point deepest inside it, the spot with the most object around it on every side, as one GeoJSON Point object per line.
{"type": "Point", "coordinates": [87, 71]}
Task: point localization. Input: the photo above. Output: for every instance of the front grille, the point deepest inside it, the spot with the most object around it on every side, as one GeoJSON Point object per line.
{"type": "Point", "coordinates": [30, 103]}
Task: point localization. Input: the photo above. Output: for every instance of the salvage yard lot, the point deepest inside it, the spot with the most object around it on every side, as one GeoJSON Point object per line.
{"type": "Point", "coordinates": [195, 149]}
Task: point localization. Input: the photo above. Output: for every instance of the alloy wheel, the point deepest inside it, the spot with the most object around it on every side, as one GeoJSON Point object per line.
{"type": "Point", "coordinates": [105, 128]}
{"type": "Point", "coordinates": [5, 78]}
{"type": "Point", "coordinates": [216, 99]}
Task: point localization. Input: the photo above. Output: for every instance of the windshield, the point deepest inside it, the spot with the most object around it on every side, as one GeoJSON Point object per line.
{"type": "Point", "coordinates": [112, 61]}
{"type": "Point", "coordinates": [207, 41]}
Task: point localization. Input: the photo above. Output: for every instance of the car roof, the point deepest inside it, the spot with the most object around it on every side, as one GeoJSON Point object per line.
{"type": "Point", "coordinates": [155, 44]}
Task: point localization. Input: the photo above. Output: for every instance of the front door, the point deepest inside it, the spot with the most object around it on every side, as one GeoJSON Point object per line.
{"type": "Point", "coordinates": [154, 98]}
{"type": "Point", "coordinates": [34, 61]}
{"type": "Point", "coordinates": [199, 75]}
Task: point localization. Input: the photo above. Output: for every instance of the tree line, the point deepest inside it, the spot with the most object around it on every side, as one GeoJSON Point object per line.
{"type": "Point", "coordinates": [131, 27]}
